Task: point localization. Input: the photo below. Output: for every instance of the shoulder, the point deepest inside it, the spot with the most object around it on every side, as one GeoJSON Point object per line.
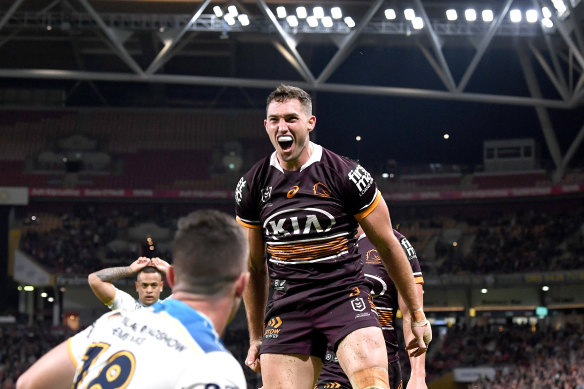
{"type": "Point", "coordinates": [217, 370]}
{"type": "Point", "coordinates": [336, 161]}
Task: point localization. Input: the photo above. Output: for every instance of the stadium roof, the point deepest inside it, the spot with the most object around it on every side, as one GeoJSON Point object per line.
{"type": "Point", "coordinates": [392, 76]}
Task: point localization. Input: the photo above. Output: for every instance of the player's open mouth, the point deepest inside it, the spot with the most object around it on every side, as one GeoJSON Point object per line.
{"type": "Point", "coordinates": [285, 142]}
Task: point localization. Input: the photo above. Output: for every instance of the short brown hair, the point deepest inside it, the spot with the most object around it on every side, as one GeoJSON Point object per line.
{"type": "Point", "coordinates": [288, 92]}
{"type": "Point", "coordinates": [210, 252]}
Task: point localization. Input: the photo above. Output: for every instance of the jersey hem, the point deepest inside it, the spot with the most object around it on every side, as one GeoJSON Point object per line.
{"type": "Point", "coordinates": [363, 214]}
{"type": "Point", "coordinates": [246, 224]}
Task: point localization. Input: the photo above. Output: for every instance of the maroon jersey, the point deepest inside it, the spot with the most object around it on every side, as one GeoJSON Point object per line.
{"type": "Point", "coordinates": [384, 293]}
{"type": "Point", "coordinates": [308, 219]}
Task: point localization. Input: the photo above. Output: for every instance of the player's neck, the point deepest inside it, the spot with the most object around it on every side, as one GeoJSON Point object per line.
{"type": "Point", "coordinates": [216, 310]}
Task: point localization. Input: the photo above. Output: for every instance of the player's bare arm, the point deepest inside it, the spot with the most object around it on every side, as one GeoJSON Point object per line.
{"type": "Point", "coordinates": [256, 295]}
{"type": "Point", "coordinates": [377, 226]}
{"type": "Point", "coordinates": [418, 364]}
{"type": "Point", "coordinates": [101, 281]}
{"type": "Point", "coordinates": [55, 370]}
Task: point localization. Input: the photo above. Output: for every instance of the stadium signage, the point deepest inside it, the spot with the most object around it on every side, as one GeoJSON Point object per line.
{"type": "Point", "coordinates": [228, 194]}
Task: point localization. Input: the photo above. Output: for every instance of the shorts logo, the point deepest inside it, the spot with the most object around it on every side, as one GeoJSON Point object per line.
{"type": "Point", "coordinates": [273, 328]}
{"type": "Point", "coordinates": [321, 190]}
{"type": "Point", "coordinates": [239, 190]}
{"type": "Point", "coordinates": [292, 191]}
{"type": "Point", "coordinates": [332, 385]}
{"type": "Point", "coordinates": [266, 194]}
{"type": "Point", "coordinates": [279, 284]}
{"type": "Point", "coordinates": [358, 304]}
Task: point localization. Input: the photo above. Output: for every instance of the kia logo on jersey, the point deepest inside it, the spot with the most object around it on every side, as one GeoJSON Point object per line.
{"type": "Point", "coordinates": [298, 221]}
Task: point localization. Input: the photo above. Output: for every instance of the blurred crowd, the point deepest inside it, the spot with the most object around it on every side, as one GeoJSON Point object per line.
{"type": "Point", "coordinates": [84, 240]}
{"type": "Point", "coordinates": [22, 346]}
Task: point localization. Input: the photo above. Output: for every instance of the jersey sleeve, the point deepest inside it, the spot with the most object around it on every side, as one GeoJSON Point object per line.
{"type": "Point", "coordinates": [246, 210]}
{"type": "Point", "coordinates": [122, 300]}
{"type": "Point", "coordinates": [217, 369]}
{"type": "Point", "coordinates": [361, 193]}
{"type": "Point", "coordinates": [412, 258]}
{"type": "Point", "coordinates": [78, 343]}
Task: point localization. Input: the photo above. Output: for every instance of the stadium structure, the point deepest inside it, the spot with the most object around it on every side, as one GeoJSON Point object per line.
{"type": "Point", "coordinates": [118, 116]}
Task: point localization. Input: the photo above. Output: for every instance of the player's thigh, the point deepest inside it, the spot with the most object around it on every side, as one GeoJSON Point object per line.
{"type": "Point", "coordinates": [362, 349]}
{"type": "Point", "coordinates": [289, 371]}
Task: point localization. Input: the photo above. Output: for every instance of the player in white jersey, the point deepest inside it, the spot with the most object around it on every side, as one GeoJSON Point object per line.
{"type": "Point", "coordinates": [170, 345]}
{"type": "Point", "coordinates": [149, 283]}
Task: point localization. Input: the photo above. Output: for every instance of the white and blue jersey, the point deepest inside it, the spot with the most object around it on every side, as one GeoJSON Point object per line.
{"type": "Point", "coordinates": [167, 345]}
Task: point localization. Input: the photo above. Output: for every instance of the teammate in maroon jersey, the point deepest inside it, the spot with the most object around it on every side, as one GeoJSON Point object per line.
{"type": "Point", "coordinates": [302, 206]}
{"type": "Point", "coordinates": [386, 300]}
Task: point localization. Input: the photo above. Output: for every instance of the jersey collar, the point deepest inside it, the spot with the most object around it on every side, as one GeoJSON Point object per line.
{"type": "Point", "coordinates": [315, 157]}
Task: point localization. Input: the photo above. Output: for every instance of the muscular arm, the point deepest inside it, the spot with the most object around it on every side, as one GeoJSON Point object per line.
{"type": "Point", "coordinates": [101, 281]}
{"type": "Point", "coordinates": [418, 364]}
{"type": "Point", "coordinates": [256, 294]}
{"type": "Point", "coordinates": [377, 226]}
{"type": "Point", "coordinates": [55, 370]}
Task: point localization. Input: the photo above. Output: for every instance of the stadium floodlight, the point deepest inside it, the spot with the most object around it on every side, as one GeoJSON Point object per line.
{"type": "Point", "coordinates": [487, 15]}
{"type": "Point", "coordinates": [292, 20]}
{"type": "Point", "coordinates": [243, 19]}
{"type": "Point", "coordinates": [50, 299]}
{"type": "Point", "coordinates": [301, 12]}
{"type": "Point", "coordinates": [232, 10]}
{"type": "Point", "coordinates": [559, 6]}
{"type": "Point", "coordinates": [547, 23]}
{"type": "Point", "coordinates": [44, 294]}
{"type": "Point", "coordinates": [229, 19]}
{"type": "Point", "coordinates": [484, 290]}
{"type": "Point", "coordinates": [336, 12]}
{"type": "Point", "coordinates": [312, 21]}
{"type": "Point", "coordinates": [470, 15]}
{"type": "Point", "coordinates": [409, 14]}
{"type": "Point", "coordinates": [218, 11]}
{"type": "Point", "coordinates": [349, 21]}
{"type": "Point", "coordinates": [385, 175]}
{"type": "Point", "coordinates": [531, 15]}
{"type": "Point", "coordinates": [28, 288]}
{"type": "Point", "coordinates": [545, 11]}
{"type": "Point", "coordinates": [545, 288]}
{"type": "Point", "coordinates": [451, 14]}
{"type": "Point", "coordinates": [515, 15]}
{"type": "Point", "coordinates": [318, 12]}
{"type": "Point", "coordinates": [390, 14]}
{"type": "Point", "coordinates": [327, 21]}
{"type": "Point", "coordinates": [281, 12]}
{"type": "Point", "coordinates": [417, 23]}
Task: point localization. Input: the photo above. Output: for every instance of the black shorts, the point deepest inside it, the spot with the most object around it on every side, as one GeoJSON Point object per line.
{"type": "Point", "coordinates": [305, 326]}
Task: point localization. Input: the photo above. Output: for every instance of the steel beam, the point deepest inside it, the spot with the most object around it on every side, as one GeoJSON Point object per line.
{"type": "Point", "coordinates": [271, 84]}
{"type": "Point", "coordinates": [347, 44]}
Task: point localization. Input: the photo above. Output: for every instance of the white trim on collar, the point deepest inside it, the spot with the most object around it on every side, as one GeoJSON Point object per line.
{"type": "Point", "coordinates": [315, 157]}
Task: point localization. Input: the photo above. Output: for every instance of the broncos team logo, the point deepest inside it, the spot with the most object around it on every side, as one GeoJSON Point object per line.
{"type": "Point", "coordinates": [372, 257]}
{"type": "Point", "coordinates": [321, 190]}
